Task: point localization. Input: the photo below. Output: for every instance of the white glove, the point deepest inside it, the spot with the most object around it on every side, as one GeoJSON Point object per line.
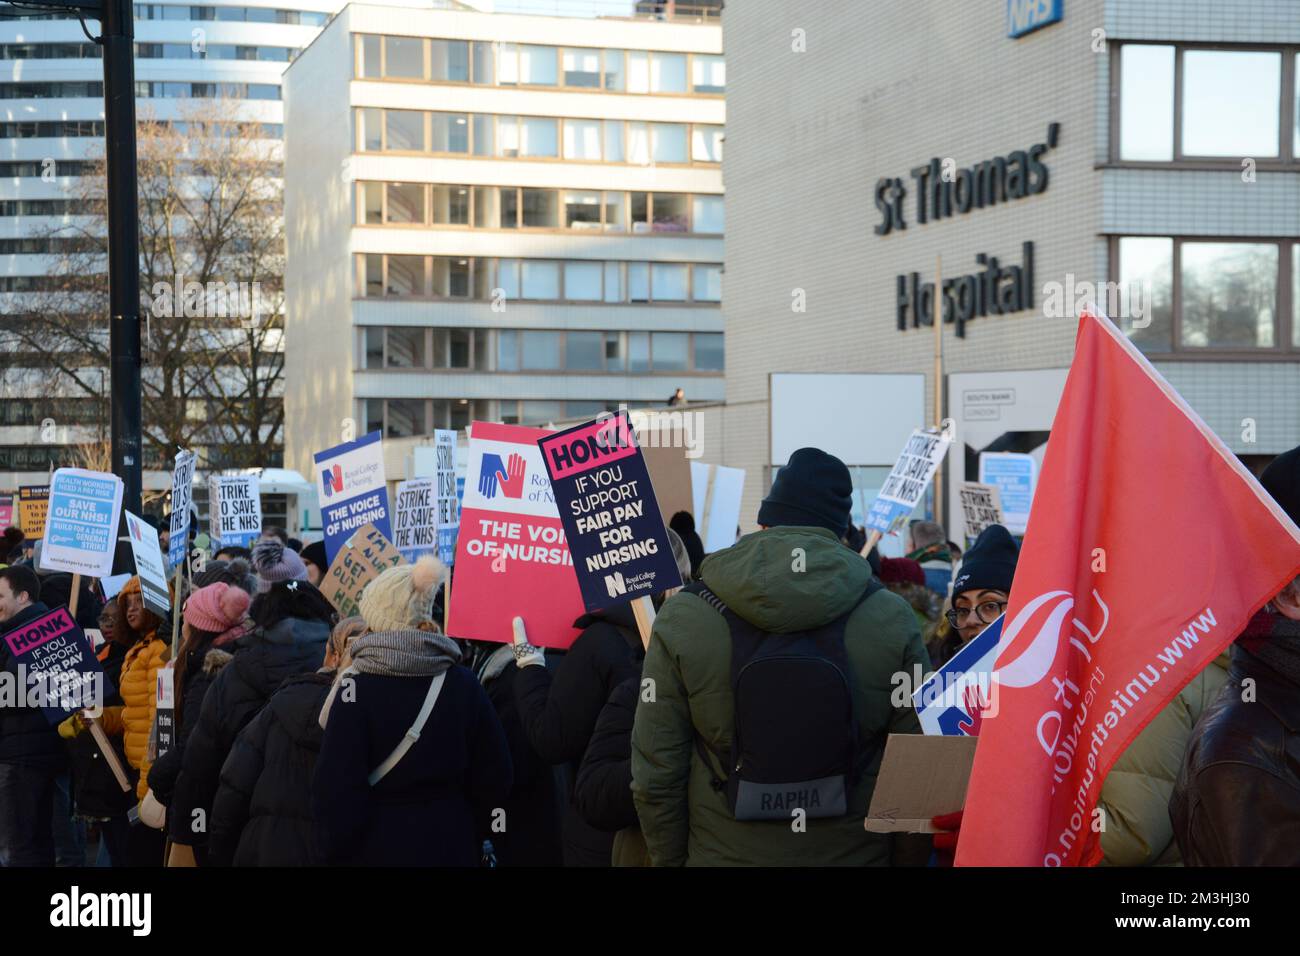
{"type": "Point", "coordinates": [526, 655]}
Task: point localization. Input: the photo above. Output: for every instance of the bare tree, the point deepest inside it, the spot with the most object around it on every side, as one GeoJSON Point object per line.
{"type": "Point", "coordinates": [211, 278]}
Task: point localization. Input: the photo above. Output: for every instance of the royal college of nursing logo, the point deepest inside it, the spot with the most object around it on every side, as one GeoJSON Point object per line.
{"type": "Point", "coordinates": [507, 477]}
{"type": "Point", "coordinates": [332, 479]}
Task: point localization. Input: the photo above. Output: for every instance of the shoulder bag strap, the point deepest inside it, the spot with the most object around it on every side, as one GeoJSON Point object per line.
{"type": "Point", "coordinates": [412, 735]}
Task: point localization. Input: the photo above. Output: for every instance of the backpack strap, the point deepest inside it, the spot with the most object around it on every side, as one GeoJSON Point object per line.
{"type": "Point", "coordinates": [412, 735]}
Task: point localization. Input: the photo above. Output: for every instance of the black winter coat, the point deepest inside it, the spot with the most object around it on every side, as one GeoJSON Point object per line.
{"type": "Point", "coordinates": [26, 737]}
{"type": "Point", "coordinates": [96, 792]}
{"type": "Point", "coordinates": [262, 812]}
{"type": "Point", "coordinates": [534, 808]}
{"type": "Point", "coordinates": [425, 811]}
{"type": "Point", "coordinates": [202, 665]}
{"type": "Point", "coordinates": [603, 791]}
{"type": "Point", "coordinates": [263, 660]}
{"type": "Point", "coordinates": [560, 713]}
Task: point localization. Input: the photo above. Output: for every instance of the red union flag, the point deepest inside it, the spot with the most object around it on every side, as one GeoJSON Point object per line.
{"type": "Point", "coordinates": [1106, 622]}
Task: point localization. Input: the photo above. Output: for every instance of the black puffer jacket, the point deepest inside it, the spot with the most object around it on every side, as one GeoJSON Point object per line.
{"type": "Point", "coordinates": [26, 737]}
{"type": "Point", "coordinates": [203, 664]}
{"type": "Point", "coordinates": [262, 812]}
{"type": "Point", "coordinates": [559, 713]}
{"type": "Point", "coordinates": [263, 660]}
{"type": "Point", "coordinates": [603, 792]}
{"type": "Point", "coordinates": [96, 792]}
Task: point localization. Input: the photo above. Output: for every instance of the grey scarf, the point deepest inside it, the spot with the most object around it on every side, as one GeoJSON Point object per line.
{"type": "Point", "coordinates": [404, 653]}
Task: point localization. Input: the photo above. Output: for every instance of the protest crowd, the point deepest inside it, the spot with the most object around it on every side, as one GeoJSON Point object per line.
{"type": "Point", "coordinates": [301, 736]}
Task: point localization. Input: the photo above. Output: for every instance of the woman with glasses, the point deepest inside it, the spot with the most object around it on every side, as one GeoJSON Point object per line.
{"type": "Point", "coordinates": [979, 593]}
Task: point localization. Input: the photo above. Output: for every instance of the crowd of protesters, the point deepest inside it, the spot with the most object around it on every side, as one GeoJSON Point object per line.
{"type": "Point", "coordinates": [302, 739]}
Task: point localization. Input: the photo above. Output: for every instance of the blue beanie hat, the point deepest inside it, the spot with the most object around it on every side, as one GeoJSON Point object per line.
{"type": "Point", "coordinates": [813, 490]}
{"type": "Point", "coordinates": [990, 564]}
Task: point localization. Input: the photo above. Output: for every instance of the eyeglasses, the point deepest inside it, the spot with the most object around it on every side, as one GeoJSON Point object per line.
{"type": "Point", "coordinates": [986, 613]}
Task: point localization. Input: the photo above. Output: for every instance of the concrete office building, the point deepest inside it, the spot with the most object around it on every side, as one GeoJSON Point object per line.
{"type": "Point", "coordinates": [499, 217]}
{"type": "Point", "coordinates": [52, 121]}
{"type": "Point", "coordinates": [1150, 143]}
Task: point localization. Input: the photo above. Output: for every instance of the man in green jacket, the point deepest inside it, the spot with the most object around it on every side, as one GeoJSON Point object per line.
{"type": "Point", "coordinates": [793, 575]}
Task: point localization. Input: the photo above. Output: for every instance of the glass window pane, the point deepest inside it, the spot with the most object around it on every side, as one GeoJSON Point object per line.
{"type": "Point", "coordinates": [540, 351]}
{"type": "Point", "coordinates": [537, 136]}
{"type": "Point", "coordinates": [482, 289]}
{"type": "Point", "coordinates": [614, 291]}
{"type": "Point", "coordinates": [372, 128]}
{"type": "Point", "coordinates": [404, 130]}
{"type": "Point", "coordinates": [373, 199]}
{"type": "Point", "coordinates": [405, 417]}
{"type": "Point", "coordinates": [406, 202]}
{"type": "Point", "coordinates": [708, 352]}
{"type": "Point", "coordinates": [584, 351]}
{"type": "Point", "coordinates": [481, 349]}
{"type": "Point", "coordinates": [582, 68]}
{"type": "Point", "coordinates": [582, 139]}
{"type": "Point", "coordinates": [638, 281]}
{"type": "Point", "coordinates": [449, 60]}
{"type": "Point", "coordinates": [638, 351]}
{"type": "Point", "coordinates": [582, 210]}
{"type": "Point", "coordinates": [507, 351]}
{"type": "Point", "coordinates": [1231, 103]}
{"type": "Point", "coordinates": [614, 70]}
{"type": "Point", "coordinates": [374, 347]}
{"type": "Point", "coordinates": [706, 144]}
{"type": "Point", "coordinates": [450, 133]}
{"type": "Point", "coordinates": [706, 214]}
{"type": "Point", "coordinates": [439, 348]}
{"type": "Point", "coordinates": [707, 283]}
{"type": "Point", "coordinates": [582, 282]}
{"type": "Point", "coordinates": [370, 56]}
{"type": "Point", "coordinates": [484, 138]}
{"type": "Point", "coordinates": [613, 351]}
{"type": "Point", "coordinates": [1146, 271]}
{"type": "Point", "coordinates": [638, 71]}
{"type": "Point", "coordinates": [458, 277]}
{"type": "Point", "coordinates": [1146, 102]}
{"type": "Point", "coordinates": [508, 65]}
{"type": "Point", "coordinates": [374, 415]}
{"type": "Point", "coordinates": [668, 73]}
{"type": "Point", "coordinates": [484, 59]}
{"type": "Point", "coordinates": [540, 413]}
{"type": "Point", "coordinates": [509, 197]}
{"type": "Point", "coordinates": [404, 57]}
{"type": "Point", "coordinates": [460, 347]}
{"type": "Point", "coordinates": [486, 208]}
{"type": "Point", "coordinates": [640, 212]}
{"type": "Point", "coordinates": [670, 351]}
{"type": "Point", "coordinates": [1295, 287]}
{"type": "Point", "coordinates": [540, 279]}
{"type": "Point", "coordinates": [537, 65]}
{"type": "Point", "coordinates": [450, 205]}
{"type": "Point", "coordinates": [405, 348]}
{"type": "Point", "coordinates": [615, 213]}
{"type": "Point", "coordinates": [1229, 294]}
{"type": "Point", "coordinates": [374, 274]}
{"type": "Point", "coordinates": [508, 136]}
{"type": "Point", "coordinates": [638, 143]}
{"type": "Point", "coordinates": [405, 276]}
{"type": "Point", "coordinates": [541, 208]}
{"type": "Point", "coordinates": [508, 278]}
{"type": "Point", "coordinates": [1295, 120]}
{"type": "Point", "coordinates": [668, 144]}
{"type": "Point", "coordinates": [668, 281]}
{"type": "Point", "coordinates": [708, 74]}
{"type": "Point", "coordinates": [613, 141]}
{"type": "Point", "coordinates": [670, 213]}
{"type": "Point", "coordinates": [583, 410]}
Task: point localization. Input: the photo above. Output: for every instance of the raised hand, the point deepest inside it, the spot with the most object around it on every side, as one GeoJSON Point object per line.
{"type": "Point", "coordinates": [973, 698]}
{"type": "Point", "coordinates": [487, 475]}
{"type": "Point", "coordinates": [512, 484]}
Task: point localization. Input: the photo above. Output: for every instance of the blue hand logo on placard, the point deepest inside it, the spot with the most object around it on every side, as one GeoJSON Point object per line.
{"type": "Point", "coordinates": [487, 475]}
{"type": "Point", "coordinates": [494, 474]}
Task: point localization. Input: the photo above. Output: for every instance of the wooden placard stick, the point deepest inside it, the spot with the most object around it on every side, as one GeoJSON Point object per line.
{"type": "Point", "coordinates": [644, 611]}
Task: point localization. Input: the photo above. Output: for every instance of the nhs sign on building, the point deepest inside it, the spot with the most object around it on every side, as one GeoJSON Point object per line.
{"type": "Point", "coordinates": [1026, 16]}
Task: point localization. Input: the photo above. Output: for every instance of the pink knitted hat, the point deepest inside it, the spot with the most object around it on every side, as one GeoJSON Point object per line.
{"type": "Point", "coordinates": [218, 608]}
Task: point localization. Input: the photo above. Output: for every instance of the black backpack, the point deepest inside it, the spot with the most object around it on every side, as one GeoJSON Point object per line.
{"type": "Point", "coordinates": [795, 741]}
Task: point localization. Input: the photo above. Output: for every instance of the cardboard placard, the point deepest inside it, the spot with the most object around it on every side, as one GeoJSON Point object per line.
{"type": "Point", "coordinates": [353, 492]}
{"type": "Point", "coordinates": [920, 778]}
{"type": "Point", "coordinates": [1015, 475]}
{"type": "Point", "coordinates": [957, 696]}
{"type": "Point", "coordinates": [33, 504]}
{"type": "Point", "coordinates": [664, 451]}
{"type": "Point", "coordinates": [512, 557]}
{"type": "Point", "coordinates": [165, 711]}
{"type": "Point", "coordinates": [415, 529]}
{"type": "Point", "coordinates": [447, 500]}
{"type": "Point", "coordinates": [981, 505]}
{"type": "Point", "coordinates": [182, 495]}
{"type": "Point", "coordinates": [81, 525]}
{"type": "Point", "coordinates": [716, 491]}
{"type": "Point", "coordinates": [149, 565]}
{"type": "Point", "coordinates": [234, 509]}
{"type": "Point", "coordinates": [611, 519]}
{"type": "Point", "coordinates": [906, 484]}
{"type": "Point", "coordinates": [368, 555]}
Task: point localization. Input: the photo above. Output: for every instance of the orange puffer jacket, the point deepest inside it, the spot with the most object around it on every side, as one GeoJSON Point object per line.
{"type": "Point", "coordinates": [134, 719]}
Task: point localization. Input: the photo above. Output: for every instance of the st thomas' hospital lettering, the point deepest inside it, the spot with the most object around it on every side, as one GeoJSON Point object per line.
{"type": "Point", "coordinates": [943, 191]}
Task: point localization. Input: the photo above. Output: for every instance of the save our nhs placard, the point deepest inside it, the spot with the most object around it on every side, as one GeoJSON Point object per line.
{"type": "Point", "coordinates": [612, 521]}
{"type": "Point", "coordinates": [957, 696]}
{"type": "Point", "coordinates": [353, 492]}
{"type": "Point", "coordinates": [906, 484]}
{"type": "Point", "coordinates": [81, 524]}
{"type": "Point", "coordinates": [512, 558]}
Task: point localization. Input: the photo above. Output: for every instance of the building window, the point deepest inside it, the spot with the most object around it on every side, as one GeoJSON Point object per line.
{"type": "Point", "coordinates": [582, 139]}
{"type": "Point", "coordinates": [614, 70]}
{"type": "Point", "coordinates": [450, 205]}
{"type": "Point", "coordinates": [706, 214]}
{"type": "Point", "coordinates": [708, 74]}
{"type": "Point", "coordinates": [374, 347]}
{"type": "Point", "coordinates": [706, 144]}
{"type": "Point", "coordinates": [403, 58]}
{"type": "Point", "coordinates": [405, 348]}
{"type": "Point", "coordinates": [706, 283]}
{"type": "Point", "coordinates": [582, 68]}
{"type": "Point", "coordinates": [1188, 102]}
{"type": "Point", "coordinates": [405, 276]}
{"type": "Point", "coordinates": [450, 132]}
{"type": "Point", "coordinates": [372, 203]}
{"type": "Point", "coordinates": [405, 418]}
{"type": "Point", "coordinates": [671, 213]}
{"type": "Point", "coordinates": [539, 279]}
{"type": "Point", "coordinates": [484, 57]}
{"type": "Point", "coordinates": [582, 281]}
{"type": "Point", "coordinates": [406, 203]}
{"type": "Point", "coordinates": [708, 351]}
{"type": "Point", "coordinates": [540, 351]}
{"type": "Point", "coordinates": [582, 210]}
{"type": "Point", "coordinates": [537, 65]}
{"type": "Point", "coordinates": [404, 131]}
{"type": "Point", "coordinates": [1202, 296]}
{"type": "Point", "coordinates": [584, 351]}
{"type": "Point", "coordinates": [668, 282]}
{"type": "Point", "coordinates": [449, 61]}
{"type": "Point", "coordinates": [541, 208]}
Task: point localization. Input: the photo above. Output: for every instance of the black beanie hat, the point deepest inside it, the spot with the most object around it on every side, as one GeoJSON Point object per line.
{"type": "Point", "coordinates": [990, 564]}
{"type": "Point", "coordinates": [1281, 479]}
{"type": "Point", "coordinates": [813, 490]}
{"type": "Point", "coordinates": [314, 553]}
